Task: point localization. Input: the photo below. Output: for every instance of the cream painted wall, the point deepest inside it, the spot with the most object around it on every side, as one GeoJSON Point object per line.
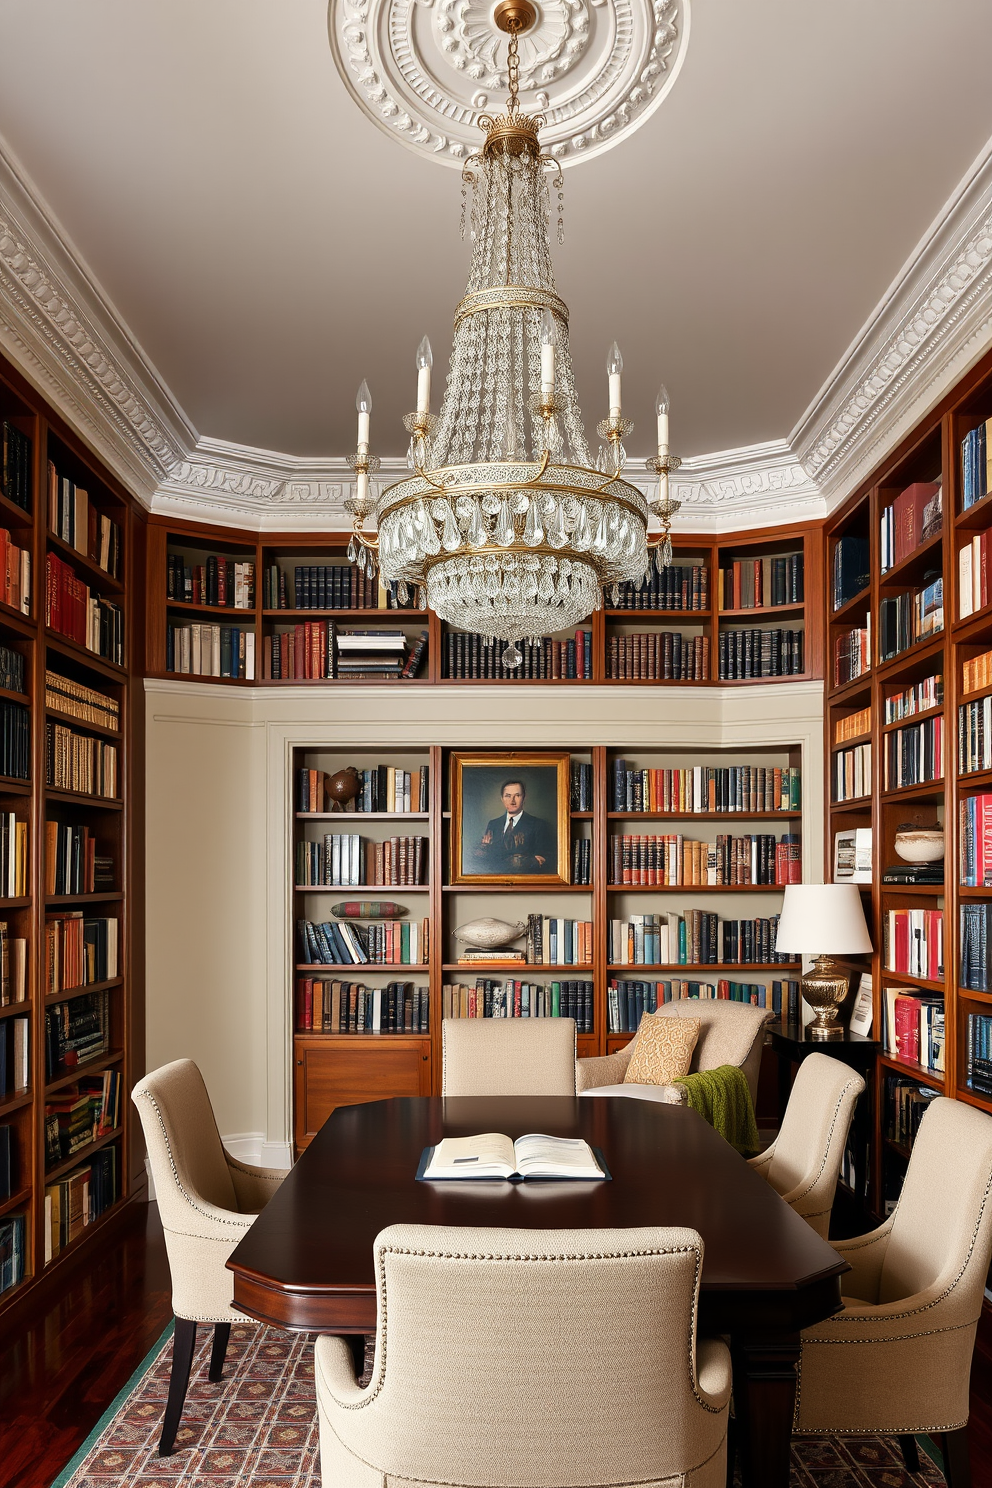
{"type": "Point", "coordinates": [219, 904]}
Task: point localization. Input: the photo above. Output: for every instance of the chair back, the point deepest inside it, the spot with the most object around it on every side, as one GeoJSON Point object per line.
{"type": "Point", "coordinates": [941, 1232]}
{"type": "Point", "coordinates": [534, 1357]}
{"type": "Point", "coordinates": [809, 1148]}
{"type": "Point", "coordinates": [729, 1033]}
{"type": "Point", "coordinates": [184, 1146]}
{"type": "Point", "coordinates": [508, 1056]}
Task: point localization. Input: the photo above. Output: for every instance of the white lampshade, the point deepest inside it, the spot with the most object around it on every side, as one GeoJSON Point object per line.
{"type": "Point", "coordinates": [822, 920]}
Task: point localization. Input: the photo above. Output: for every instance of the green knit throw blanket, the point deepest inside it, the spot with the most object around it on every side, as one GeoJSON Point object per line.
{"type": "Point", "coordinates": [722, 1098]}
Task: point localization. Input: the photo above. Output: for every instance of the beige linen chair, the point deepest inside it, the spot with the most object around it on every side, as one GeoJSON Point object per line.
{"type": "Point", "coordinates": [508, 1056]}
{"type": "Point", "coordinates": [803, 1162]}
{"type": "Point", "coordinates": [207, 1201]}
{"type": "Point", "coordinates": [898, 1358]}
{"type": "Point", "coordinates": [729, 1033]}
{"type": "Point", "coordinates": [549, 1358]}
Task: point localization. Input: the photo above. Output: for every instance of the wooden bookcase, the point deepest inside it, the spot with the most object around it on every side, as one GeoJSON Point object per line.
{"type": "Point", "coordinates": [931, 453]}
{"type": "Point", "coordinates": [195, 543]}
{"type": "Point", "coordinates": [338, 1068]}
{"type": "Point", "coordinates": [114, 821]}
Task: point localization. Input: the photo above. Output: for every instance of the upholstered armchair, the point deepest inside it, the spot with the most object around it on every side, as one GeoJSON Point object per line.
{"type": "Point", "coordinates": [803, 1162]}
{"type": "Point", "coordinates": [897, 1359]}
{"type": "Point", "coordinates": [547, 1357]}
{"type": "Point", "coordinates": [729, 1033]}
{"type": "Point", "coordinates": [508, 1056]}
{"type": "Point", "coordinates": [207, 1200]}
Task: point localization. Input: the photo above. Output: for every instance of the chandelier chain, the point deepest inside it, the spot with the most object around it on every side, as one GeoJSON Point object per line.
{"type": "Point", "coordinates": [513, 70]}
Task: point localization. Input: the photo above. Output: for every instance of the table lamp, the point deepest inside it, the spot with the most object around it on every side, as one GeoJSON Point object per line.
{"type": "Point", "coordinates": [823, 920]}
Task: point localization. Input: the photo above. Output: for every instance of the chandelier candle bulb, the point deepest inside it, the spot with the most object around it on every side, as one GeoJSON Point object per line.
{"type": "Point", "coordinates": [425, 361]}
{"type": "Point", "coordinates": [662, 406]}
{"type": "Point", "coordinates": [547, 352]}
{"type": "Point", "coordinates": [363, 403]}
{"type": "Point", "coordinates": [614, 366]}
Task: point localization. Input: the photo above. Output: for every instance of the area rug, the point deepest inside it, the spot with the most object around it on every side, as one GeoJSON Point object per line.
{"type": "Point", "coordinates": [257, 1428]}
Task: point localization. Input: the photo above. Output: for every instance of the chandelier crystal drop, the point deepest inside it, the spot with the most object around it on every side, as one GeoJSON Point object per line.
{"type": "Point", "coordinates": [507, 524]}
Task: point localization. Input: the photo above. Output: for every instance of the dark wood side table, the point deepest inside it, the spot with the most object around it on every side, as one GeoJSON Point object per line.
{"type": "Point", "coordinates": [307, 1263]}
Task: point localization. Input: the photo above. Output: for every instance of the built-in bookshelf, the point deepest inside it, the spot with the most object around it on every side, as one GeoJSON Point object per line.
{"type": "Point", "coordinates": [695, 919]}
{"type": "Point", "coordinates": [231, 606]}
{"type": "Point", "coordinates": [909, 687]}
{"type": "Point", "coordinates": [71, 540]}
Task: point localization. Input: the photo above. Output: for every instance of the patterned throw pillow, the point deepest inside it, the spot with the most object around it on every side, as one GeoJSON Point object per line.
{"type": "Point", "coordinates": [663, 1051]}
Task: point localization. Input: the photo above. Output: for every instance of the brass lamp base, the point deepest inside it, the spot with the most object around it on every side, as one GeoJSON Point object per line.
{"type": "Point", "coordinates": [825, 989]}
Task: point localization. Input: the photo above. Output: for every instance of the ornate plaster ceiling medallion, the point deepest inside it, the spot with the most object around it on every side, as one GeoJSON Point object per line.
{"type": "Point", "coordinates": [425, 71]}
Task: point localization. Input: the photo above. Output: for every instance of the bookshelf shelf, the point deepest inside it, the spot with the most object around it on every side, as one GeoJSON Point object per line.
{"type": "Point", "coordinates": [350, 615]}
{"type": "Point", "coordinates": [850, 693]}
{"type": "Point", "coordinates": [16, 619]}
{"type": "Point", "coordinates": [766, 968]}
{"type": "Point", "coordinates": [209, 611]}
{"type": "Point", "coordinates": [346, 972]}
{"type": "Point", "coordinates": [68, 1163]}
{"type": "Point", "coordinates": [22, 1197]}
{"type": "Point", "coordinates": [534, 890]}
{"type": "Point", "coordinates": [82, 725]}
{"type": "Point", "coordinates": [518, 969]}
{"type": "Point", "coordinates": [111, 896]}
{"type": "Point", "coordinates": [98, 577]}
{"type": "Point", "coordinates": [88, 1234]}
{"type": "Point", "coordinates": [850, 743]}
{"type": "Point", "coordinates": [851, 607]}
{"type": "Point", "coordinates": [916, 1072]}
{"type": "Point", "coordinates": [929, 648]}
{"type": "Point", "coordinates": [701, 816]}
{"type": "Point", "coordinates": [972, 996]}
{"type": "Point", "coordinates": [75, 798]}
{"type": "Point", "coordinates": [889, 977]}
{"type": "Point", "coordinates": [925, 791]}
{"type": "Point", "coordinates": [92, 1066]}
{"type": "Point", "coordinates": [52, 998]}
{"type": "Point", "coordinates": [691, 889]}
{"type": "Point", "coordinates": [339, 889]}
{"type": "Point", "coordinates": [763, 612]}
{"type": "Point", "coordinates": [910, 570]}
{"type": "Point", "coordinates": [14, 697]}
{"type": "Point", "coordinates": [11, 1009]}
{"type": "Point", "coordinates": [16, 1102]}
{"type": "Point", "coordinates": [923, 889]}
{"type": "Point", "coordinates": [11, 787]}
{"type": "Point", "coordinates": [63, 646]}
{"type": "Point", "coordinates": [13, 515]}
{"type": "Point", "coordinates": [360, 816]}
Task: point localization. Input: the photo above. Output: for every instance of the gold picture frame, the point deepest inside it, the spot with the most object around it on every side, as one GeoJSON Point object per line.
{"type": "Point", "coordinates": [489, 845]}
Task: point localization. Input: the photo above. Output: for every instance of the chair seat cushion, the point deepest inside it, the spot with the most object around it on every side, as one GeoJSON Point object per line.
{"type": "Point", "coordinates": [662, 1050]}
{"type": "Point", "coordinates": [668, 1095]}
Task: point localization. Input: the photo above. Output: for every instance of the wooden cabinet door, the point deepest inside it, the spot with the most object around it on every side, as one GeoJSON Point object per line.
{"type": "Point", "coordinates": [341, 1073]}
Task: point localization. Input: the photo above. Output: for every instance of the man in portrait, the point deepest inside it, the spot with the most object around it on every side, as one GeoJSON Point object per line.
{"type": "Point", "coordinates": [516, 841]}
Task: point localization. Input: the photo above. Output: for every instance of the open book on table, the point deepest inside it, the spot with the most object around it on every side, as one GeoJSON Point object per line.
{"type": "Point", "coordinates": [492, 1155]}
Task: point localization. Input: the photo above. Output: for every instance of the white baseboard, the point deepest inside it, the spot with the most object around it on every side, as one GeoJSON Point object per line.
{"type": "Point", "coordinates": [248, 1147]}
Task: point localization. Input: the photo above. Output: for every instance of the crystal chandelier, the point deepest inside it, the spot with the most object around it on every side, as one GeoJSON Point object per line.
{"type": "Point", "coordinates": [506, 525]}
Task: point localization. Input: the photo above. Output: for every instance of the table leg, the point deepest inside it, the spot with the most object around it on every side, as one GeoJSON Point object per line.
{"type": "Point", "coordinates": [764, 1402]}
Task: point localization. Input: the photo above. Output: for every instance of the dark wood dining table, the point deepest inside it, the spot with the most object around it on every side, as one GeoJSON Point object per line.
{"type": "Point", "coordinates": [306, 1263]}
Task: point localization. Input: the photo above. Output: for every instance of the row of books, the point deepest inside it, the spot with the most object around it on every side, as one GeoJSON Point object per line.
{"type": "Point", "coordinates": [906, 1103]}
{"type": "Point", "coordinates": [318, 650]}
{"type": "Point", "coordinates": [580, 782]}
{"type": "Point", "coordinates": [78, 1199]}
{"type": "Point", "coordinates": [905, 619]}
{"type": "Point", "coordinates": [74, 610]}
{"type": "Point", "coordinates": [918, 697]}
{"type": "Point", "coordinates": [15, 740]}
{"type": "Point", "coordinates": [15, 1060]}
{"type": "Point", "coordinates": [73, 518]}
{"type": "Point", "coordinates": [978, 1053]}
{"type": "Point", "coordinates": [13, 966]}
{"type": "Point", "coordinates": [976, 457]}
{"type": "Point", "coordinates": [16, 462]}
{"type": "Point", "coordinates": [12, 1251]}
{"type": "Point", "coordinates": [748, 654]}
{"type": "Point", "coordinates": [977, 672]}
{"type": "Point", "coordinates": [658, 656]}
{"type": "Point", "coordinates": [914, 942]}
{"type": "Point", "coordinates": [914, 1027]}
{"type": "Point", "coordinates": [853, 725]}
{"type": "Point", "coordinates": [490, 998]}
{"type": "Point", "coordinates": [850, 568]}
{"type": "Point", "coordinates": [973, 575]}
{"type": "Point", "coordinates": [13, 856]}
{"type": "Point", "coordinates": [695, 937]}
{"type": "Point", "coordinates": [852, 653]}
{"type": "Point", "coordinates": [81, 1113]}
{"type": "Point", "coordinates": [669, 859]}
{"type": "Point", "coordinates": [347, 859]}
{"type": "Point", "coordinates": [64, 695]}
{"type": "Point", "coordinates": [628, 1001]}
{"type": "Point", "coordinates": [72, 863]}
{"type": "Point", "coordinates": [469, 655]}
{"type": "Point", "coordinates": [15, 574]}
{"type": "Point", "coordinates": [79, 763]}
{"type": "Point", "coordinates": [975, 949]}
{"type": "Point", "coordinates": [381, 943]}
{"type": "Point", "coordinates": [351, 1007]}
{"type": "Point", "coordinates": [852, 773]}
{"type": "Point", "coordinates": [203, 650]}
{"type": "Point", "coordinates": [706, 788]}
{"type": "Point", "coordinates": [79, 951]}
{"type": "Point", "coordinates": [384, 788]}
{"type": "Point", "coordinates": [915, 753]}
{"type": "Point", "coordinates": [975, 735]}
{"type": "Point", "coordinates": [11, 669]}
{"type": "Point", "coordinates": [76, 1031]}
{"type": "Point", "coordinates": [975, 840]}
{"type": "Point", "coordinates": [913, 518]}
{"type": "Point", "coordinates": [327, 586]}
{"type": "Point", "coordinates": [677, 587]}
{"type": "Point", "coordinates": [226, 582]}
{"type": "Point", "coordinates": [761, 583]}
{"type": "Point", "coordinates": [581, 860]}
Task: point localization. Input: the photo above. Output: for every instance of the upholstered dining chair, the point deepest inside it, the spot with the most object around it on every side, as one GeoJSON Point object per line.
{"type": "Point", "coordinates": [803, 1162]}
{"type": "Point", "coordinates": [486, 1372]}
{"type": "Point", "coordinates": [729, 1033]}
{"type": "Point", "coordinates": [508, 1056]}
{"type": "Point", "coordinates": [207, 1201]}
{"type": "Point", "coordinates": [897, 1359]}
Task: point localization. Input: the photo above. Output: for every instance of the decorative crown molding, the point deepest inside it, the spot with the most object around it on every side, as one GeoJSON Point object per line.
{"type": "Point", "coordinates": [754, 486]}
{"type": "Point", "coordinates": [933, 323]}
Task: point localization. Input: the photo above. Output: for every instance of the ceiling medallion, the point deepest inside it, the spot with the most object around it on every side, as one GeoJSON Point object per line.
{"type": "Point", "coordinates": [426, 71]}
{"type": "Point", "coordinates": [506, 526]}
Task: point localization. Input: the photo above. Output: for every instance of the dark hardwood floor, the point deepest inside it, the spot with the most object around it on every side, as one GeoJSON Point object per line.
{"type": "Point", "coordinates": [67, 1359]}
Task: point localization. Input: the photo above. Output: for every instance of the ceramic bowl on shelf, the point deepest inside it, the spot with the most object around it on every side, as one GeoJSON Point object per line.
{"type": "Point", "coordinates": [489, 934]}
{"type": "Point", "coordinates": [920, 844]}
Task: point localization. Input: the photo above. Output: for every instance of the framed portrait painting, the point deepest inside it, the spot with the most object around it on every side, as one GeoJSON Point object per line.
{"type": "Point", "coordinates": [510, 817]}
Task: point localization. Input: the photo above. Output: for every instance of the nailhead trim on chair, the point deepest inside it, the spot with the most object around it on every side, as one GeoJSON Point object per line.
{"type": "Point", "coordinates": [826, 1153]}
{"type": "Point", "coordinates": [216, 1217]}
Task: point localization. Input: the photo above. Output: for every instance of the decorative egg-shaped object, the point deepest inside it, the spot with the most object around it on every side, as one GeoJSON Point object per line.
{"type": "Point", "coordinates": [368, 909]}
{"type": "Point", "coordinates": [489, 934]}
{"type": "Point", "coordinates": [344, 786]}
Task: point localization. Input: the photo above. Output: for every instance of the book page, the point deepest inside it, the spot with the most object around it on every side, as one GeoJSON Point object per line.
{"type": "Point", "coordinates": [486, 1156]}
{"type": "Point", "coordinates": [569, 1157]}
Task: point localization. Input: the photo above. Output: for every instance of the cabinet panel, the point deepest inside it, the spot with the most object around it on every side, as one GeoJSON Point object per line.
{"type": "Point", "coordinates": [330, 1073]}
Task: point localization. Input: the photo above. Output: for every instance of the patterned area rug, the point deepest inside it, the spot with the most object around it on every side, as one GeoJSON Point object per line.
{"type": "Point", "coordinates": [257, 1428]}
